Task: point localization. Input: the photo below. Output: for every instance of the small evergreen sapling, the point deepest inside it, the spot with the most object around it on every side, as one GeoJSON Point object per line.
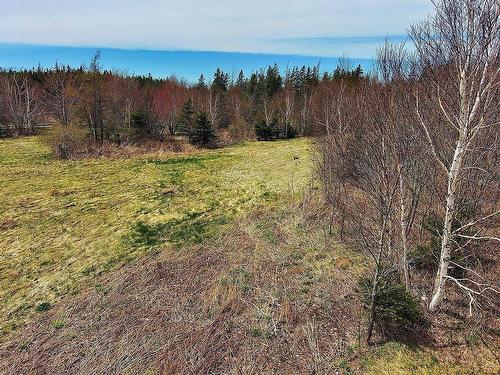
{"type": "Point", "coordinates": [266, 131]}
{"type": "Point", "coordinates": [186, 118]}
{"type": "Point", "coordinates": [202, 132]}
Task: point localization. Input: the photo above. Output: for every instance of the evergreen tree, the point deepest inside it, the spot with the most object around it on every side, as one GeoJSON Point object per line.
{"type": "Point", "coordinates": [241, 82]}
{"type": "Point", "coordinates": [315, 75]}
{"type": "Point", "coordinates": [309, 76]}
{"type": "Point", "coordinates": [273, 80]}
{"type": "Point", "coordinates": [201, 82]}
{"type": "Point", "coordinates": [338, 73]}
{"type": "Point", "coordinates": [220, 86]}
{"type": "Point", "coordinates": [261, 88]}
{"type": "Point", "coordinates": [202, 133]}
{"type": "Point", "coordinates": [221, 81]}
{"type": "Point", "coordinates": [300, 79]}
{"type": "Point", "coordinates": [358, 72]}
{"type": "Point", "coordinates": [139, 122]}
{"type": "Point", "coordinates": [252, 85]}
{"type": "Point", "coordinates": [186, 119]}
{"type": "Point", "coordinates": [266, 131]}
{"type": "Point", "coordinates": [352, 75]}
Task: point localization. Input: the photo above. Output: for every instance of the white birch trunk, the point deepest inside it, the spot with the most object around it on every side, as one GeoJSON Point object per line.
{"type": "Point", "coordinates": [447, 237]}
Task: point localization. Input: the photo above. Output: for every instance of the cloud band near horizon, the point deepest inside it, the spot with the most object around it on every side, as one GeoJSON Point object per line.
{"type": "Point", "coordinates": [313, 28]}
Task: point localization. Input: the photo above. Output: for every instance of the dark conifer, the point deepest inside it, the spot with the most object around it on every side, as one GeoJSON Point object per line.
{"type": "Point", "coordinates": [202, 133]}
{"type": "Point", "coordinates": [241, 82]}
{"type": "Point", "coordinates": [186, 118]}
{"type": "Point", "coordinates": [221, 81]}
{"type": "Point", "coordinates": [201, 82]}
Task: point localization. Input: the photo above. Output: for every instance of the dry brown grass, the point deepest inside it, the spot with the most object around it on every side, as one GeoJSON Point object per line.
{"type": "Point", "coordinates": [263, 298]}
{"type": "Point", "coordinates": [274, 294]}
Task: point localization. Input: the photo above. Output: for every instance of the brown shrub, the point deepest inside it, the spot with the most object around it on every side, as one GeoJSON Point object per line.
{"type": "Point", "coordinates": [74, 142]}
{"type": "Point", "coordinates": [67, 141]}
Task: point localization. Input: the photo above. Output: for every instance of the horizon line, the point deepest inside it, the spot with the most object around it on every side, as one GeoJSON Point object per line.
{"type": "Point", "coordinates": [188, 50]}
{"type": "Point", "coordinates": [184, 64]}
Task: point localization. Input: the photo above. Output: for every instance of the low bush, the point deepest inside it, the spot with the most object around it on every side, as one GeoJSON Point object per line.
{"type": "Point", "coordinates": [266, 131]}
{"type": "Point", "coordinates": [68, 141]}
{"type": "Point", "coordinates": [425, 256]}
{"type": "Point", "coordinates": [396, 311]}
{"type": "Point", "coordinates": [269, 131]}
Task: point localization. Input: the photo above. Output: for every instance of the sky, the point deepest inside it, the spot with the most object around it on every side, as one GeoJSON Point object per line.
{"type": "Point", "coordinates": [31, 29]}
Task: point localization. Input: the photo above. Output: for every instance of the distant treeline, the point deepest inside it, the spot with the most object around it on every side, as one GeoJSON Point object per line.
{"type": "Point", "coordinates": [267, 104]}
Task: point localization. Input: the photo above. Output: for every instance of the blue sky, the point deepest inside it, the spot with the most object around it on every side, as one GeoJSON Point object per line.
{"type": "Point", "coordinates": [317, 28]}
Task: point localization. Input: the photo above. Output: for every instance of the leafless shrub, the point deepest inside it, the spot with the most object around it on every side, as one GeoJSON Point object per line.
{"type": "Point", "coordinates": [67, 141]}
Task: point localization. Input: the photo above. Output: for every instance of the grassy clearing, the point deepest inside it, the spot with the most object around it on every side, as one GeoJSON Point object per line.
{"type": "Point", "coordinates": [269, 294]}
{"type": "Point", "coordinates": [64, 222]}
{"type": "Point", "coordinates": [272, 286]}
{"type": "Point", "coordinates": [398, 359]}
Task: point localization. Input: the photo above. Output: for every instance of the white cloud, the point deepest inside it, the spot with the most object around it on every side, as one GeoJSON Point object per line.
{"type": "Point", "coordinates": [219, 25]}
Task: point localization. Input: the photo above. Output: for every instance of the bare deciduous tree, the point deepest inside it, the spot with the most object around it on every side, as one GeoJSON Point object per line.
{"type": "Point", "coordinates": [22, 101]}
{"type": "Point", "coordinates": [457, 105]}
{"type": "Point", "coordinates": [59, 94]}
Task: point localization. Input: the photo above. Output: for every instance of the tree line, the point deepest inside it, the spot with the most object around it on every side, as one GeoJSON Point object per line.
{"type": "Point", "coordinates": [123, 109]}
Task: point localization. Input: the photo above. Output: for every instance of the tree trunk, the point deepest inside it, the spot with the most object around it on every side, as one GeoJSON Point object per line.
{"type": "Point", "coordinates": [447, 236]}
{"type": "Point", "coordinates": [372, 306]}
{"type": "Point", "coordinates": [404, 231]}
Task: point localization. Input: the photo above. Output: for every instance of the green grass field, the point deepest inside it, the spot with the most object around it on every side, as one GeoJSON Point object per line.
{"type": "Point", "coordinates": [64, 222]}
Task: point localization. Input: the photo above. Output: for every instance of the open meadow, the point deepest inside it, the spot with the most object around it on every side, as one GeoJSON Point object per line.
{"type": "Point", "coordinates": [64, 222]}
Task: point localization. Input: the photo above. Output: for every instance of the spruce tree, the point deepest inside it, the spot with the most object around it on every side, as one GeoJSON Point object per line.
{"type": "Point", "coordinates": [266, 131]}
{"type": "Point", "coordinates": [220, 86]}
{"type": "Point", "coordinates": [241, 82]}
{"type": "Point", "coordinates": [261, 87]}
{"type": "Point", "coordinates": [315, 74]}
{"type": "Point", "coordinates": [358, 72]}
{"type": "Point", "coordinates": [221, 81]}
{"type": "Point", "coordinates": [186, 118]}
{"type": "Point", "coordinates": [202, 133]}
{"type": "Point", "coordinates": [139, 122]}
{"type": "Point", "coordinates": [201, 82]}
{"type": "Point", "coordinates": [273, 80]}
{"type": "Point", "coordinates": [252, 85]}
